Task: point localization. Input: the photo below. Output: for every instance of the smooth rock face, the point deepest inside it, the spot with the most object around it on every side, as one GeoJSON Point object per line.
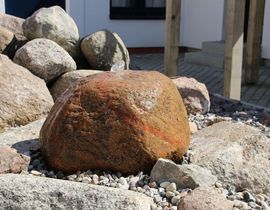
{"type": "Point", "coordinates": [108, 120]}
{"type": "Point", "coordinates": [236, 153]}
{"type": "Point", "coordinates": [45, 59]}
{"type": "Point", "coordinates": [205, 198]}
{"type": "Point", "coordinates": [24, 97]}
{"type": "Point", "coordinates": [12, 23]}
{"type": "Point", "coordinates": [104, 49]}
{"type": "Point", "coordinates": [11, 161]}
{"type": "Point", "coordinates": [67, 79]}
{"type": "Point", "coordinates": [6, 38]}
{"type": "Point", "coordinates": [24, 139]}
{"type": "Point", "coordinates": [55, 24]}
{"type": "Point", "coordinates": [23, 192]}
{"type": "Point", "coordinates": [185, 176]}
{"type": "Point", "coordinates": [195, 94]}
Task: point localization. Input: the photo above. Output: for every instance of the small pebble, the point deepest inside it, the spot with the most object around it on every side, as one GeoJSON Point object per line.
{"type": "Point", "coordinates": [171, 187]}
{"type": "Point", "coordinates": [122, 181]}
{"type": "Point", "coordinates": [175, 199]}
{"type": "Point", "coordinates": [248, 197]}
{"type": "Point", "coordinates": [86, 180]}
{"type": "Point", "coordinates": [169, 194]}
{"type": "Point", "coordinates": [218, 185]}
{"type": "Point", "coordinates": [36, 173]}
{"type": "Point", "coordinates": [164, 184]}
{"type": "Point", "coordinates": [95, 179]}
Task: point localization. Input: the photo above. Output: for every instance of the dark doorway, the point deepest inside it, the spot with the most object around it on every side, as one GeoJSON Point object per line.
{"type": "Point", "coordinates": [24, 9]}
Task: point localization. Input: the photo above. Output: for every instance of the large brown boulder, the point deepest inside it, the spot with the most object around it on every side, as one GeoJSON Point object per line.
{"type": "Point", "coordinates": [113, 121]}
{"type": "Point", "coordinates": [195, 94]}
{"type": "Point", "coordinates": [23, 97]}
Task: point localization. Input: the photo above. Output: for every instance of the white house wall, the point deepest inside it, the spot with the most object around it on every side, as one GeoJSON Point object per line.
{"type": "Point", "coordinates": [200, 21]}
{"type": "Point", "coordinates": [2, 6]}
{"type": "Point", "coordinates": [266, 32]}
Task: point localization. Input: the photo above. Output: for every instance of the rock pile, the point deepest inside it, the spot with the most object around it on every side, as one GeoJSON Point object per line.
{"type": "Point", "coordinates": [104, 142]}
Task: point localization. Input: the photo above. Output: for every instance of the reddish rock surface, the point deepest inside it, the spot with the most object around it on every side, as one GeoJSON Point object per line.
{"type": "Point", "coordinates": [11, 161]}
{"type": "Point", "coordinates": [116, 121]}
{"type": "Point", "coordinates": [195, 94]}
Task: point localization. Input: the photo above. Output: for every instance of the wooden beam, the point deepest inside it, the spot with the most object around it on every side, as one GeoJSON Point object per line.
{"type": "Point", "coordinates": [254, 41]}
{"type": "Point", "coordinates": [173, 8]}
{"type": "Point", "coordinates": [234, 48]}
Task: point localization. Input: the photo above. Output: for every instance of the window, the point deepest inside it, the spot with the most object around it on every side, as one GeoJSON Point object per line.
{"type": "Point", "coordinates": [137, 9]}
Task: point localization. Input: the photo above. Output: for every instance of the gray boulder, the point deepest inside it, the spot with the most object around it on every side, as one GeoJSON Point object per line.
{"type": "Point", "coordinates": [12, 23]}
{"type": "Point", "coordinates": [24, 97]}
{"type": "Point", "coordinates": [11, 161]}
{"type": "Point", "coordinates": [23, 192]}
{"type": "Point", "coordinates": [45, 59]}
{"type": "Point", "coordinates": [236, 153]}
{"type": "Point", "coordinates": [6, 38]}
{"type": "Point", "coordinates": [185, 176]}
{"type": "Point", "coordinates": [55, 24]}
{"type": "Point", "coordinates": [24, 138]}
{"type": "Point", "coordinates": [69, 78]}
{"type": "Point", "coordinates": [104, 49]}
{"type": "Point", "coordinates": [205, 198]}
{"type": "Point", "coordinates": [194, 94]}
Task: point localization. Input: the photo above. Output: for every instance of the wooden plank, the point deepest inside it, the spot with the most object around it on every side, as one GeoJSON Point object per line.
{"type": "Point", "coordinates": [234, 48]}
{"type": "Point", "coordinates": [173, 8]}
{"type": "Point", "coordinates": [254, 41]}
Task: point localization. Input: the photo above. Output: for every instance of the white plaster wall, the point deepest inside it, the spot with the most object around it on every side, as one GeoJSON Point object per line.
{"type": "Point", "coordinates": [266, 32]}
{"type": "Point", "coordinates": [200, 21]}
{"type": "Point", "coordinates": [2, 6]}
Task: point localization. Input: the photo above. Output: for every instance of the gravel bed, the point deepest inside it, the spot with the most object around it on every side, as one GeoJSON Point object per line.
{"type": "Point", "coordinates": [165, 195]}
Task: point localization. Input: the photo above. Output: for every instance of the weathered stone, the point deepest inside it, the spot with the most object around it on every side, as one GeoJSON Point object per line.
{"type": "Point", "coordinates": [236, 153]}
{"type": "Point", "coordinates": [6, 38]}
{"type": "Point", "coordinates": [24, 139]}
{"type": "Point", "coordinates": [193, 127]}
{"type": "Point", "coordinates": [185, 176]}
{"type": "Point", "coordinates": [195, 94]}
{"type": "Point", "coordinates": [67, 79]}
{"type": "Point", "coordinates": [205, 198]}
{"type": "Point", "coordinates": [106, 121]}
{"type": "Point", "coordinates": [23, 192]}
{"type": "Point", "coordinates": [104, 49]}
{"type": "Point", "coordinates": [12, 23]}
{"type": "Point", "coordinates": [55, 24]}
{"type": "Point", "coordinates": [45, 59]}
{"type": "Point", "coordinates": [11, 161]}
{"type": "Point", "coordinates": [24, 97]}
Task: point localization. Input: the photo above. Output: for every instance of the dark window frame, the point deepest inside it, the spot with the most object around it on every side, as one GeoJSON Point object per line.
{"type": "Point", "coordinates": [139, 12]}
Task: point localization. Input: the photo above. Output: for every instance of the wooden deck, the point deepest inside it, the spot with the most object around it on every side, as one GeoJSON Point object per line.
{"type": "Point", "coordinates": [212, 77]}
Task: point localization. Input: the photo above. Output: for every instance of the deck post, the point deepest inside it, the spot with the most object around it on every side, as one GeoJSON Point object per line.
{"type": "Point", "coordinates": [254, 41]}
{"type": "Point", "coordinates": [234, 48]}
{"type": "Point", "coordinates": [173, 8]}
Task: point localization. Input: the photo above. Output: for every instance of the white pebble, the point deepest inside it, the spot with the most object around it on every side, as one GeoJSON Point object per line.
{"type": "Point", "coordinates": [36, 173]}
{"type": "Point", "coordinates": [122, 181]}
{"type": "Point", "coordinates": [164, 184]}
